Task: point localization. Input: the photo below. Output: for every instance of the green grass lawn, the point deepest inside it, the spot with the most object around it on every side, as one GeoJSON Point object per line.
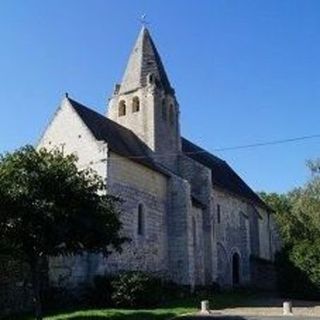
{"type": "Point", "coordinates": [165, 312]}
{"type": "Point", "coordinates": [117, 314]}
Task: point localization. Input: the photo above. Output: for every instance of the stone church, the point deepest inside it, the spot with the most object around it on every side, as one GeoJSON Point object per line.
{"type": "Point", "coordinates": [191, 218]}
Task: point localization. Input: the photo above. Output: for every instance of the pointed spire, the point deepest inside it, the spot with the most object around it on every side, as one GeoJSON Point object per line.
{"type": "Point", "coordinates": [144, 60]}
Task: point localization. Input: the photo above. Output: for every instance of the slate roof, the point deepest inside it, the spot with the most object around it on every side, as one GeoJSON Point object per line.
{"type": "Point", "coordinates": [144, 59]}
{"type": "Point", "coordinates": [120, 139]}
{"type": "Point", "coordinates": [125, 143]}
{"type": "Point", "coordinates": [223, 176]}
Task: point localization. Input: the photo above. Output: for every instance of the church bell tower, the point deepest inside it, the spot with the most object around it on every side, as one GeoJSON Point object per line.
{"type": "Point", "coordinates": [145, 102]}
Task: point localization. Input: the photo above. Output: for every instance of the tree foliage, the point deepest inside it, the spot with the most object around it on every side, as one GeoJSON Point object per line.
{"type": "Point", "coordinates": [298, 217]}
{"type": "Point", "coordinates": [134, 289]}
{"type": "Point", "coordinates": [50, 208]}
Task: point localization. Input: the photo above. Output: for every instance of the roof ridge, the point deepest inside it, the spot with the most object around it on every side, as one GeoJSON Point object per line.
{"type": "Point", "coordinates": [120, 139]}
{"type": "Point", "coordinates": [204, 151]}
{"type": "Point", "coordinates": [72, 101]}
{"type": "Point", "coordinates": [126, 143]}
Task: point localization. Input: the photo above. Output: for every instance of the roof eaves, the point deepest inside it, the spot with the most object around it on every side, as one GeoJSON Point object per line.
{"type": "Point", "coordinates": [142, 159]}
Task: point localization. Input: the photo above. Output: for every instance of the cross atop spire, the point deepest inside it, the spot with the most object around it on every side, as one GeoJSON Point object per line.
{"type": "Point", "coordinates": [144, 61]}
{"type": "Point", "coordinates": [143, 20]}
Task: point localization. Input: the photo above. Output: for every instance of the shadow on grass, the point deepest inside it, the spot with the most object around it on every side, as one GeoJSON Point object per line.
{"type": "Point", "coordinates": [117, 316]}
{"type": "Point", "coordinates": [224, 300]}
{"type": "Point", "coordinates": [183, 305]}
{"type": "Point", "coordinates": [239, 298]}
{"type": "Point", "coordinates": [120, 316]}
{"type": "Point", "coordinates": [215, 317]}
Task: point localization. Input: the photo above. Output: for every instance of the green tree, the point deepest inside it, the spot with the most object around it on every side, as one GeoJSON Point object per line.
{"type": "Point", "coordinates": [306, 204]}
{"type": "Point", "coordinates": [50, 208]}
{"type": "Point", "coordinates": [281, 205]}
{"type": "Point", "coordinates": [297, 214]}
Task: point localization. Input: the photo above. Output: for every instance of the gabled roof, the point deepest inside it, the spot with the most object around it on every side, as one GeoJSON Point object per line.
{"type": "Point", "coordinates": [223, 176]}
{"type": "Point", "coordinates": [125, 143]}
{"type": "Point", "coordinates": [144, 59]}
{"type": "Point", "coordinates": [119, 139]}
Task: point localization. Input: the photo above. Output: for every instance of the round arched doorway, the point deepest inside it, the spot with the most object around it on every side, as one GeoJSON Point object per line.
{"type": "Point", "coordinates": [236, 269]}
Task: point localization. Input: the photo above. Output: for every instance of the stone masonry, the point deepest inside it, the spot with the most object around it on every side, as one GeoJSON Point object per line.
{"type": "Point", "coordinates": [15, 286]}
{"type": "Point", "coordinates": [190, 217]}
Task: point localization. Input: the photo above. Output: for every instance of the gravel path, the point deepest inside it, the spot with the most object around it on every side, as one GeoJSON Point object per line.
{"type": "Point", "coordinates": [266, 309]}
{"type": "Point", "coordinates": [224, 317]}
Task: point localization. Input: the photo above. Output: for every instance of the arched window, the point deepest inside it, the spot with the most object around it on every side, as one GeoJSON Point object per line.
{"type": "Point", "coordinates": [151, 78]}
{"type": "Point", "coordinates": [141, 220]}
{"type": "Point", "coordinates": [218, 213]}
{"type": "Point", "coordinates": [135, 104]}
{"type": "Point", "coordinates": [171, 113]}
{"type": "Point", "coordinates": [164, 109]}
{"type": "Point", "coordinates": [122, 108]}
{"type": "Point", "coordinates": [235, 269]}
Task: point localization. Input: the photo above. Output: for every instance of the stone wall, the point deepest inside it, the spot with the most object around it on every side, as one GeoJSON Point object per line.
{"type": "Point", "coordinates": [254, 230]}
{"type": "Point", "coordinates": [141, 122]}
{"type": "Point", "coordinates": [146, 251]}
{"type": "Point", "coordinates": [245, 229]}
{"type": "Point", "coordinates": [135, 185]}
{"type": "Point", "coordinates": [198, 245]}
{"type": "Point", "coordinates": [265, 235]}
{"type": "Point", "coordinates": [159, 133]}
{"type": "Point", "coordinates": [167, 130]}
{"type": "Point", "coordinates": [168, 240]}
{"type": "Point", "coordinates": [68, 133]}
{"type": "Point", "coordinates": [232, 236]}
{"type": "Point", "coordinates": [199, 178]}
{"type": "Point", "coordinates": [179, 223]}
{"type": "Point", "coordinates": [242, 229]}
{"type": "Point", "coordinates": [72, 271]}
{"type": "Point", "coordinates": [124, 171]}
{"type": "Point", "coordinates": [15, 287]}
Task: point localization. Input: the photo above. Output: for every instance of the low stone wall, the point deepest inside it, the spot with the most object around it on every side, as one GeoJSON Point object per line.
{"type": "Point", "coordinates": [15, 287]}
{"type": "Point", "coordinates": [263, 274]}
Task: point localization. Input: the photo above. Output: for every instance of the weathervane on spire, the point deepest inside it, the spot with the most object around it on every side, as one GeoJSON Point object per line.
{"type": "Point", "coordinates": [143, 20]}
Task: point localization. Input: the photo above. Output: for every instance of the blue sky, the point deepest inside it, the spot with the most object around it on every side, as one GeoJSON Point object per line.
{"type": "Point", "coordinates": [244, 72]}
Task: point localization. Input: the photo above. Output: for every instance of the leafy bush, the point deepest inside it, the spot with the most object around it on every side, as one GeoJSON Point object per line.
{"type": "Point", "coordinates": [297, 214]}
{"type": "Point", "coordinates": [293, 278]}
{"type": "Point", "coordinates": [306, 256]}
{"type": "Point", "coordinates": [101, 292]}
{"type": "Point", "coordinates": [56, 298]}
{"type": "Point", "coordinates": [133, 289]}
{"type": "Point", "coordinates": [136, 289]}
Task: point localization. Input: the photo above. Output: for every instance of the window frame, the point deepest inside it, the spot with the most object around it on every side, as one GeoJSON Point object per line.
{"type": "Point", "coordinates": [218, 213]}
{"type": "Point", "coordinates": [135, 104]}
{"type": "Point", "coordinates": [122, 108]}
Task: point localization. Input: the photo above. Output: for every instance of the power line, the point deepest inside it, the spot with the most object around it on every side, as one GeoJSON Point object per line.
{"type": "Point", "coordinates": [238, 147]}
{"type": "Point", "coordinates": [268, 143]}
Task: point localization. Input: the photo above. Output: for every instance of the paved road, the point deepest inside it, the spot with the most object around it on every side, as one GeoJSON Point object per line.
{"type": "Point", "coordinates": [222, 317]}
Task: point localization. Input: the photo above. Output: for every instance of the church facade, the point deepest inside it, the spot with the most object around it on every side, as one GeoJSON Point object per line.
{"type": "Point", "coordinates": [191, 219]}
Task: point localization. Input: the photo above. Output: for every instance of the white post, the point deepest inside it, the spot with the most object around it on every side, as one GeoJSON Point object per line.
{"type": "Point", "coordinates": [205, 306]}
{"type": "Point", "coordinates": [287, 308]}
